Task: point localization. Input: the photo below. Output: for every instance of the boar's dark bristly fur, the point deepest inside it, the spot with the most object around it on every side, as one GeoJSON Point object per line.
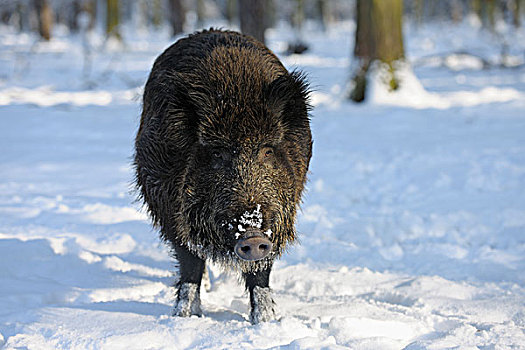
{"type": "Point", "coordinates": [223, 149]}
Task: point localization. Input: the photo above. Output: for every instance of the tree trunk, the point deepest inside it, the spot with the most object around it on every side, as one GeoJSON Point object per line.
{"type": "Point", "coordinates": [45, 18]}
{"type": "Point", "coordinates": [516, 15]}
{"type": "Point", "coordinates": [322, 13]}
{"type": "Point", "coordinates": [253, 18]}
{"type": "Point", "coordinates": [491, 14]}
{"type": "Point", "coordinates": [74, 11]}
{"type": "Point", "coordinates": [231, 11]}
{"type": "Point", "coordinates": [298, 16]}
{"type": "Point", "coordinates": [419, 11]}
{"type": "Point", "coordinates": [143, 11]}
{"type": "Point", "coordinates": [113, 19]}
{"type": "Point", "coordinates": [90, 7]}
{"type": "Point", "coordinates": [378, 37]}
{"type": "Point", "coordinates": [22, 14]}
{"type": "Point", "coordinates": [177, 15]}
{"type": "Point", "coordinates": [5, 14]}
{"type": "Point", "coordinates": [485, 10]}
{"type": "Point", "coordinates": [270, 14]}
{"type": "Point", "coordinates": [157, 15]}
{"type": "Point", "coordinates": [475, 7]}
{"type": "Point", "coordinates": [457, 11]}
{"type": "Point", "coordinates": [201, 13]}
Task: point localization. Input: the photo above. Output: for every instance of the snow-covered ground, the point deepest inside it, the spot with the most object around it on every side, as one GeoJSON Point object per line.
{"type": "Point", "coordinates": [412, 231]}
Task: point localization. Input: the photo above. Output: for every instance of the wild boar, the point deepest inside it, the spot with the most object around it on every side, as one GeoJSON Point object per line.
{"type": "Point", "coordinates": [221, 158]}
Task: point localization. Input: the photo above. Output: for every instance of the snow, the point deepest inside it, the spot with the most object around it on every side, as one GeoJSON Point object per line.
{"type": "Point", "coordinates": [253, 219]}
{"type": "Point", "coordinates": [414, 95]}
{"type": "Point", "coordinates": [411, 231]}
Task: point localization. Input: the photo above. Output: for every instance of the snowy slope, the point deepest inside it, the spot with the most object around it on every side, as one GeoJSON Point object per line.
{"type": "Point", "coordinates": [412, 231]}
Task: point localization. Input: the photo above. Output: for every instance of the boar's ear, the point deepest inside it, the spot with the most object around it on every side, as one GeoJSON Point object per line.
{"type": "Point", "coordinates": [173, 98]}
{"type": "Point", "coordinates": [288, 98]}
{"type": "Point", "coordinates": [191, 97]}
{"type": "Point", "coordinates": [192, 93]}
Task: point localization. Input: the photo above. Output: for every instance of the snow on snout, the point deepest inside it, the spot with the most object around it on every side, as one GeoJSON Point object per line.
{"type": "Point", "coordinates": [253, 219]}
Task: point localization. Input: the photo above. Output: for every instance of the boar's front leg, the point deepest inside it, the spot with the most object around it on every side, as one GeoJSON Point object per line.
{"type": "Point", "coordinates": [261, 301]}
{"type": "Point", "coordinates": [188, 294]}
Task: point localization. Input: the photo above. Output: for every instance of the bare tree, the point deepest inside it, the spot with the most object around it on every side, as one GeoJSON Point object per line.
{"type": "Point", "coordinates": [253, 18]}
{"type": "Point", "coordinates": [231, 11]}
{"type": "Point", "coordinates": [113, 19]}
{"type": "Point", "coordinates": [378, 37]}
{"type": "Point", "coordinates": [323, 13]}
{"type": "Point", "coordinates": [298, 46]}
{"type": "Point", "coordinates": [515, 6]}
{"type": "Point", "coordinates": [90, 8]}
{"type": "Point", "coordinates": [45, 18]}
{"type": "Point", "coordinates": [457, 11]}
{"type": "Point", "coordinates": [157, 13]}
{"type": "Point", "coordinates": [485, 10]}
{"type": "Point", "coordinates": [201, 12]}
{"type": "Point", "coordinates": [73, 9]}
{"type": "Point", "coordinates": [176, 16]}
{"type": "Point", "coordinates": [6, 12]}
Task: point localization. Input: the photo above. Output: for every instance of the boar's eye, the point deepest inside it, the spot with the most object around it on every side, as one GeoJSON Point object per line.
{"type": "Point", "coordinates": [219, 157]}
{"type": "Point", "coordinates": [216, 154]}
{"type": "Point", "coordinates": [267, 154]}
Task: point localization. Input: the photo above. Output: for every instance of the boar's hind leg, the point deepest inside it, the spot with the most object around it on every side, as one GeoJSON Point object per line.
{"type": "Point", "coordinates": [188, 293]}
{"type": "Point", "coordinates": [261, 301]}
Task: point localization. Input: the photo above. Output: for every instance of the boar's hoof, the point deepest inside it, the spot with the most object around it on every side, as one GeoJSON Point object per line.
{"type": "Point", "coordinates": [253, 248]}
{"type": "Point", "coordinates": [263, 306]}
{"type": "Point", "coordinates": [188, 301]}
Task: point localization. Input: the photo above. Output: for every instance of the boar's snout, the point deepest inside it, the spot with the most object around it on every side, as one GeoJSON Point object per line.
{"type": "Point", "coordinates": [253, 248]}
